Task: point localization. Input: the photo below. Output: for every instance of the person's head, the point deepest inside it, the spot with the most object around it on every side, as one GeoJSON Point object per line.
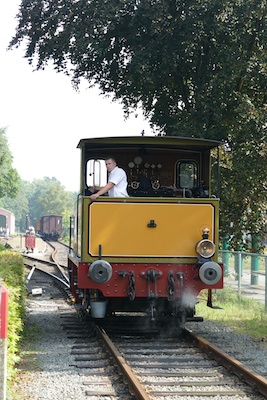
{"type": "Point", "coordinates": [110, 163]}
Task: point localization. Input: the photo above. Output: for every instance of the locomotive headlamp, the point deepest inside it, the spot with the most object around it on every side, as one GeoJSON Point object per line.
{"type": "Point", "coordinates": [205, 248]}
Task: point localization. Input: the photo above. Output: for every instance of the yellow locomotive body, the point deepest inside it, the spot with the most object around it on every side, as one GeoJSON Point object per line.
{"type": "Point", "coordinates": [155, 250]}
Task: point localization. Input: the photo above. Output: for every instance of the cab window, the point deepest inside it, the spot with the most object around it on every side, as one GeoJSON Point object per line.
{"type": "Point", "coordinates": [187, 174]}
{"type": "Point", "coordinates": [96, 173]}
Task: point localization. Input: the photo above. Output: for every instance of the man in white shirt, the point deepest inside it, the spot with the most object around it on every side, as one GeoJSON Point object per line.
{"type": "Point", "coordinates": [117, 181]}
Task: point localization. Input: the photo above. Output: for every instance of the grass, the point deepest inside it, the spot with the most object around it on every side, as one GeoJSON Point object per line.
{"type": "Point", "coordinates": [243, 315]}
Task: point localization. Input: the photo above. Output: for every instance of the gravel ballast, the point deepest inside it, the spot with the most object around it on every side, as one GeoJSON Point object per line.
{"type": "Point", "coordinates": [53, 375]}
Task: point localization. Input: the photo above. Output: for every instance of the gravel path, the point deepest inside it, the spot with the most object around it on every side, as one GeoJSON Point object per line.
{"type": "Point", "coordinates": [46, 371]}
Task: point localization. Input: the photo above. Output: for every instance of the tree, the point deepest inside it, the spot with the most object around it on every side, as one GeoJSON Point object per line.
{"type": "Point", "coordinates": [181, 60]}
{"type": "Point", "coordinates": [9, 177]}
{"type": "Point", "coordinates": [48, 196]}
{"type": "Point", "coordinates": [245, 179]}
{"type": "Point", "coordinates": [197, 68]}
{"type": "Point", "coordinates": [39, 198]}
{"type": "Point", "coordinates": [19, 205]}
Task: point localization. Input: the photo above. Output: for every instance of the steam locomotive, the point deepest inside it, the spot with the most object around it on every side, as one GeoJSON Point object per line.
{"type": "Point", "coordinates": [154, 251]}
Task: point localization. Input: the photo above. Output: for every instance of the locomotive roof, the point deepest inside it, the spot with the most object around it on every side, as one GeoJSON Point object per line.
{"type": "Point", "coordinates": [187, 143]}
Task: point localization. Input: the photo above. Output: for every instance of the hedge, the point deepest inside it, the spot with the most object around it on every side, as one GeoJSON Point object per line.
{"type": "Point", "coordinates": [12, 275]}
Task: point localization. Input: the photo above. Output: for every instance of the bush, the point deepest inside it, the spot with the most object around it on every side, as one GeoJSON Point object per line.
{"type": "Point", "coordinates": [12, 275]}
{"type": "Point", "coordinates": [2, 247]}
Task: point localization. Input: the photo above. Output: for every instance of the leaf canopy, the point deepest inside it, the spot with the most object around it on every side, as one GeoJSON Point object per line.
{"type": "Point", "coordinates": [182, 61]}
{"type": "Point", "coordinates": [9, 177]}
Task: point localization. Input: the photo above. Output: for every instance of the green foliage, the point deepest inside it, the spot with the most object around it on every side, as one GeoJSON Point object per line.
{"type": "Point", "coordinates": [66, 224]}
{"type": "Point", "coordinates": [12, 274]}
{"type": "Point", "coordinates": [182, 61]}
{"type": "Point", "coordinates": [9, 178]}
{"type": "Point", "coordinates": [244, 180]}
{"type": "Point", "coordinates": [12, 269]}
{"type": "Point", "coordinates": [2, 247]}
{"type": "Point", "coordinates": [49, 197]}
{"type": "Point", "coordinates": [241, 314]}
{"type": "Point", "coordinates": [18, 205]}
{"type": "Point", "coordinates": [41, 197]}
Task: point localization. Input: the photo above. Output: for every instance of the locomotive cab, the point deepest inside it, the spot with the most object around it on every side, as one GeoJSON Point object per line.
{"type": "Point", "coordinates": [154, 251]}
{"type": "Point", "coordinates": [152, 172]}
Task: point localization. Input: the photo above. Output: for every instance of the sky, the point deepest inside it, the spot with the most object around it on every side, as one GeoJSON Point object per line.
{"type": "Point", "coordinates": [45, 117]}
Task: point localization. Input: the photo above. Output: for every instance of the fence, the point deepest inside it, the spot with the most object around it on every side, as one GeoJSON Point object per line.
{"type": "Point", "coordinates": [3, 340]}
{"type": "Point", "coordinates": [249, 270]}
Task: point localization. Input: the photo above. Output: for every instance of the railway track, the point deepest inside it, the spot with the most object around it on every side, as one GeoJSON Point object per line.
{"type": "Point", "coordinates": [55, 270]}
{"type": "Point", "coordinates": [170, 368]}
{"type": "Point", "coordinates": [128, 359]}
{"type": "Point", "coordinates": [77, 340]}
{"type": "Point", "coordinates": [59, 253]}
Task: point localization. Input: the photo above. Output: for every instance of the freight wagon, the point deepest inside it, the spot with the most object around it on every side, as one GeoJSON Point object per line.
{"type": "Point", "coordinates": [50, 227]}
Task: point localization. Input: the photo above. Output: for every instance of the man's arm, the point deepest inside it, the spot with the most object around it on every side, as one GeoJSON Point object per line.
{"type": "Point", "coordinates": [103, 190]}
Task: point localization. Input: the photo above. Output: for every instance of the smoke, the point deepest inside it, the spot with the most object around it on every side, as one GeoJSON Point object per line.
{"type": "Point", "coordinates": [189, 300]}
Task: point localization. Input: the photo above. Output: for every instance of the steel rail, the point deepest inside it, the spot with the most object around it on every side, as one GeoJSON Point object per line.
{"type": "Point", "coordinates": [253, 379]}
{"type": "Point", "coordinates": [134, 384]}
{"type": "Point", "coordinates": [35, 268]}
{"type": "Point", "coordinates": [53, 258]}
{"type": "Point", "coordinates": [43, 261]}
{"type": "Point", "coordinates": [59, 267]}
{"type": "Point", "coordinates": [49, 263]}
